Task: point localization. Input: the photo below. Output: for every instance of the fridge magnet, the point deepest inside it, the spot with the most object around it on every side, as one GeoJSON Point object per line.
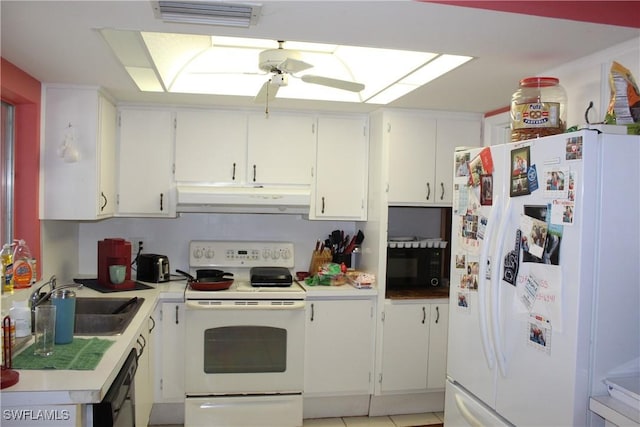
{"type": "Point", "coordinates": [487, 274]}
{"type": "Point", "coordinates": [532, 177]}
{"type": "Point", "coordinates": [534, 235]}
{"type": "Point", "coordinates": [572, 186]}
{"type": "Point", "coordinates": [469, 280]}
{"type": "Point", "coordinates": [519, 168]}
{"type": "Point", "coordinates": [562, 212]}
{"type": "Point", "coordinates": [529, 292]}
{"type": "Point", "coordinates": [486, 190]}
{"type": "Point", "coordinates": [551, 251]}
{"type": "Point", "coordinates": [462, 167]}
{"type": "Point", "coordinates": [574, 148]}
{"type": "Point", "coordinates": [476, 170]}
{"type": "Point", "coordinates": [487, 160]}
{"type": "Point", "coordinates": [556, 183]}
{"type": "Point", "coordinates": [463, 300]}
{"type": "Point", "coordinates": [470, 227]}
{"type": "Point", "coordinates": [461, 261]}
{"type": "Point", "coordinates": [482, 226]}
{"type": "Point", "coordinates": [512, 262]}
{"type": "Point", "coordinates": [460, 198]}
{"type": "Point", "coordinates": [539, 333]}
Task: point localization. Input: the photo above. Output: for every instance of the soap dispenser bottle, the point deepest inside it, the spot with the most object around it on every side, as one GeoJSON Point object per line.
{"type": "Point", "coordinates": [22, 265]}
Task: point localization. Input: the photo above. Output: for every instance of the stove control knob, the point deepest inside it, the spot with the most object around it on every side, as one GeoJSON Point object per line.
{"type": "Point", "coordinates": [197, 253]}
{"type": "Point", "coordinates": [209, 253]}
{"type": "Point", "coordinates": [286, 254]}
{"type": "Point", "coordinates": [266, 253]}
{"type": "Point", "coordinates": [276, 254]}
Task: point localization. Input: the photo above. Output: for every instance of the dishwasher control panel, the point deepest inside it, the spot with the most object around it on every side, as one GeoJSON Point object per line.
{"type": "Point", "coordinates": [209, 253]}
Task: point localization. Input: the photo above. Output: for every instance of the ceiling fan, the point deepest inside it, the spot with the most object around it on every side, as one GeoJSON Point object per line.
{"type": "Point", "coordinates": [283, 62]}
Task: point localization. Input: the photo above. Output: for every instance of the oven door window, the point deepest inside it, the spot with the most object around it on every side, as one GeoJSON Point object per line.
{"type": "Point", "coordinates": [245, 349]}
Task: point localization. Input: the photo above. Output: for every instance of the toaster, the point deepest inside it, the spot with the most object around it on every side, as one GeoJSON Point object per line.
{"type": "Point", "coordinates": [153, 268]}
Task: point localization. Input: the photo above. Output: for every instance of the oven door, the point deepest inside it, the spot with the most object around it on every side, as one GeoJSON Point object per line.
{"type": "Point", "coordinates": [244, 347]}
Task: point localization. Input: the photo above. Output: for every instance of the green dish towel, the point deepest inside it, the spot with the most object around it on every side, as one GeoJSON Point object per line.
{"type": "Point", "coordinates": [80, 354]}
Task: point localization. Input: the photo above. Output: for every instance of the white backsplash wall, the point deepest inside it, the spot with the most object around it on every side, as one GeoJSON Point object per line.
{"type": "Point", "coordinates": [171, 236]}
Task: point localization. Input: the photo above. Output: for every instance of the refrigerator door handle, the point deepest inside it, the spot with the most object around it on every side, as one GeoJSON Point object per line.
{"type": "Point", "coordinates": [494, 217]}
{"type": "Point", "coordinates": [495, 292]}
{"type": "Point", "coordinates": [466, 413]}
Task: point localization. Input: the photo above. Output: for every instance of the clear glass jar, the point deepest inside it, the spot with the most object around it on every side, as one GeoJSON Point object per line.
{"type": "Point", "coordinates": [538, 108]}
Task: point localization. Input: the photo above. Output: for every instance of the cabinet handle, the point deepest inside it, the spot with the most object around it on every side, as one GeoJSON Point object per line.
{"type": "Point", "coordinates": [322, 204]}
{"type": "Point", "coordinates": [153, 324]}
{"type": "Point", "coordinates": [142, 345]}
{"type": "Point", "coordinates": [424, 314]}
{"type": "Point", "coordinates": [233, 174]}
{"type": "Point", "coordinates": [312, 311]}
{"type": "Point", "coordinates": [428, 191]}
{"type": "Point", "coordinates": [161, 202]}
{"type": "Point", "coordinates": [254, 173]}
{"type": "Point", "coordinates": [437, 314]}
{"type": "Point", "coordinates": [177, 320]}
{"type": "Point", "coordinates": [104, 198]}
{"type": "Point", "coordinates": [442, 194]}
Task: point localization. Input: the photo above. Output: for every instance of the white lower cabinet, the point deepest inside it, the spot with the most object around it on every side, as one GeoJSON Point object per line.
{"type": "Point", "coordinates": [414, 346]}
{"type": "Point", "coordinates": [339, 346]}
{"type": "Point", "coordinates": [144, 378]}
{"type": "Point", "coordinates": [169, 354]}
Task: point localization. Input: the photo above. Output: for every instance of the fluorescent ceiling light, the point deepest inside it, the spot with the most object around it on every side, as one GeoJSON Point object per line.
{"type": "Point", "coordinates": [201, 64]}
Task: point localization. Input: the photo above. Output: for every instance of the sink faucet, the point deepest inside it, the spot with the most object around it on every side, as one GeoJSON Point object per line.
{"type": "Point", "coordinates": [35, 299]}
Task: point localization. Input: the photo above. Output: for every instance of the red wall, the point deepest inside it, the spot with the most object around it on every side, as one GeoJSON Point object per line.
{"type": "Point", "coordinates": [23, 91]}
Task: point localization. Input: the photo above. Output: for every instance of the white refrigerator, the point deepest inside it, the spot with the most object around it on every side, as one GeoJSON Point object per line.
{"type": "Point", "coordinates": [545, 279]}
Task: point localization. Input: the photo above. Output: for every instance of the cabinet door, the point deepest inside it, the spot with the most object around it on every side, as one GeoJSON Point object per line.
{"type": "Point", "coordinates": [143, 380]}
{"type": "Point", "coordinates": [412, 148]}
{"type": "Point", "coordinates": [281, 149]}
{"type": "Point", "coordinates": [211, 146]}
{"type": "Point", "coordinates": [171, 352]}
{"type": "Point", "coordinates": [339, 346]}
{"type": "Point", "coordinates": [451, 134]}
{"type": "Point", "coordinates": [146, 163]}
{"type": "Point", "coordinates": [78, 154]}
{"type": "Point", "coordinates": [341, 169]}
{"type": "Point", "coordinates": [438, 333]}
{"type": "Point", "coordinates": [405, 342]}
{"type": "Point", "coordinates": [107, 143]}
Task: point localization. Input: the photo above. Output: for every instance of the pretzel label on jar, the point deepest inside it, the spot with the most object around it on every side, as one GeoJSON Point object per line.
{"type": "Point", "coordinates": [536, 115]}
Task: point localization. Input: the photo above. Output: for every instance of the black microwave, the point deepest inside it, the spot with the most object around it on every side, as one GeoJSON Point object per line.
{"type": "Point", "coordinates": [411, 268]}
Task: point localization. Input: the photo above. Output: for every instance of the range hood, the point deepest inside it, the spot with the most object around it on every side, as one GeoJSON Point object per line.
{"type": "Point", "coordinates": [208, 198]}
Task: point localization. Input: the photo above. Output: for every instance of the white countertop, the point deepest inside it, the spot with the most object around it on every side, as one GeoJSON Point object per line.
{"type": "Point", "coordinates": [61, 387]}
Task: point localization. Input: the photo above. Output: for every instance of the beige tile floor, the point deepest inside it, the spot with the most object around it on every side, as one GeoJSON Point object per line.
{"type": "Point", "coordinates": [409, 420]}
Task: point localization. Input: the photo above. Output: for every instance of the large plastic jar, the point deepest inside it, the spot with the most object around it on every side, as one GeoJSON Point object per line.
{"type": "Point", "coordinates": [538, 108]}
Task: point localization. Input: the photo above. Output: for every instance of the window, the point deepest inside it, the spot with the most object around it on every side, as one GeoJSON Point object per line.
{"type": "Point", "coordinates": [6, 160]}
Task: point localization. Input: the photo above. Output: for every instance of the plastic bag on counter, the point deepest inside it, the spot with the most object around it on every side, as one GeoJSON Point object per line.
{"type": "Point", "coordinates": [329, 274]}
{"type": "Point", "coordinates": [624, 106]}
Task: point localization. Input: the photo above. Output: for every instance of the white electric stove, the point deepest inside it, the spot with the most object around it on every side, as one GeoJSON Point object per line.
{"type": "Point", "coordinates": [246, 343]}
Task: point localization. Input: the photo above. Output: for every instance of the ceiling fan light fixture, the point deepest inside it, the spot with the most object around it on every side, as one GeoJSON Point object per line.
{"type": "Point", "coordinates": [207, 12]}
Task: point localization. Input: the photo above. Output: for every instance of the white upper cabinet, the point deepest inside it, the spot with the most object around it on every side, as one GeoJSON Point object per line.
{"type": "Point", "coordinates": [78, 154]}
{"type": "Point", "coordinates": [452, 133]}
{"type": "Point", "coordinates": [145, 185]}
{"type": "Point", "coordinates": [211, 147]}
{"type": "Point", "coordinates": [280, 149]}
{"type": "Point", "coordinates": [421, 147]}
{"type": "Point", "coordinates": [412, 147]}
{"type": "Point", "coordinates": [340, 187]}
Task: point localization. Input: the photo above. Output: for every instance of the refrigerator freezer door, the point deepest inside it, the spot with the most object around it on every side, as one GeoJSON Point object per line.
{"type": "Point", "coordinates": [461, 409]}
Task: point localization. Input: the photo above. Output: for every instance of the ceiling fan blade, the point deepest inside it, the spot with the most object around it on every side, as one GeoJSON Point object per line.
{"type": "Point", "coordinates": [338, 84]}
{"type": "Point", "coordinates": [268, 92]}
{"type": "Point", "coordinates": [292, 66]}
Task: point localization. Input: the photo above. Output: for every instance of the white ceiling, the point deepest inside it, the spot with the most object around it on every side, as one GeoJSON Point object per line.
{"type": "Point", "coordinates": [56, 42]}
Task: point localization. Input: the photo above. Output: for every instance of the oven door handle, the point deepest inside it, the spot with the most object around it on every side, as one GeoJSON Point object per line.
{"type": "Point", "coordinates": [210, 305]}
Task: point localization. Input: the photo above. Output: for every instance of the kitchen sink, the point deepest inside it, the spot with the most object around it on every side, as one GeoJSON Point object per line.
{"type": "Point", "coordinates": [95, 316]}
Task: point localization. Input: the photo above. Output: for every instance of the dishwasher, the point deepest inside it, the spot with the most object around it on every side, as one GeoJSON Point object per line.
{"type": "Point", "coordinates": [117, 409]}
